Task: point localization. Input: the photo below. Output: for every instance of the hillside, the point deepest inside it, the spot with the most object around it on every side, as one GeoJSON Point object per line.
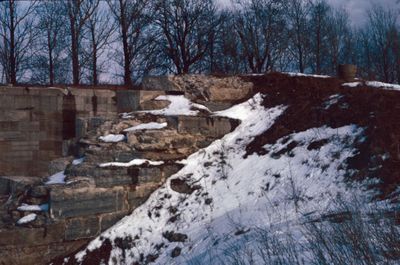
{"type": "Point", "coordinates": [309, 176]}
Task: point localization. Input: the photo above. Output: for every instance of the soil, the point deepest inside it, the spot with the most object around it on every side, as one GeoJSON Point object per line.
{"type": "Point", "coordinates": [376, 110]}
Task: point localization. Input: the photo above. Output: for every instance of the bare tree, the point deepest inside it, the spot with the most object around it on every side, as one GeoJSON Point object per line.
{"type": "Point", "coordinates": [225, 49]}
{"type": "Point", "coordinates": [16, 35]}
{"type": "Point", "coordinates": [188, 27]}
{"type": "Point", "coordinates": [338, 39]}
{"type": "Point", "coordinates": [78, 12]}
{"type": "Point", "coordinates": [262, 29]}
{"type": "Point", "coordinates": [134, 19]}
{"type": "Point", "coordinates": [382, 26]}
{"type": "Point", "coordinates": [319, 23]}
{"type": "Point", "coordinates": [297, 17]}
{"type": "Point", "coordinates": [51, 49]}
{"type": "Point", "coordinates": [100, 29]}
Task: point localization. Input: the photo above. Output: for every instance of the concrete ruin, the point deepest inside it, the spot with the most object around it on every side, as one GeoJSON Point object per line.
{"type": "Point", "coordinates": [43, 129]}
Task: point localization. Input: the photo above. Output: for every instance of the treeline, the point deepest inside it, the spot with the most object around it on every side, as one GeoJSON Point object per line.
{"type": "Point", "coordinates": [120, 41]}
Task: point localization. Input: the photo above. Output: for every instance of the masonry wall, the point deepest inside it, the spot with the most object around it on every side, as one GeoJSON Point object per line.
{"type": "Point", "coordinates": [38, 125]}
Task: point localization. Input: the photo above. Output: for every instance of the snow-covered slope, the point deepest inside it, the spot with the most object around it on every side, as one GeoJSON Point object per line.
{"type": "Point", "coordinates": [231, 196]}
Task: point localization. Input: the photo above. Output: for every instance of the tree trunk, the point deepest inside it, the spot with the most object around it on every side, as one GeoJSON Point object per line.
{"type": "Point", "coordinates": [13, 70]}
{"type": "Point", "coordinates": [75, 55]}
{"type": "Point", "coordinates": [51, 65]}
{"type": "Point", "coordinates": [125, 44]}
{"type": "Point", "coordinates": [95, 77]}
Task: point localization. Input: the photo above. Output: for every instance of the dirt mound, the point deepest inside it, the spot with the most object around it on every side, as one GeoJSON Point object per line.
{"type": "Point", "coordinates": [315, 102]}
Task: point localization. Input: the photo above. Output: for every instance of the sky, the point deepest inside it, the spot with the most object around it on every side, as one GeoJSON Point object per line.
{"type": "Point", "coordinates": [357, 8]}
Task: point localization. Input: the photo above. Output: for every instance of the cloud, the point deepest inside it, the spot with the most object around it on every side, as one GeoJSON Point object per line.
{"type": "Point", "coordinates": [357, 9]}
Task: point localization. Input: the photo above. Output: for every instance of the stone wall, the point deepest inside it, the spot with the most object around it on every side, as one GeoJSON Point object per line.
{"type": "Point", "coordinates": [38, 125]}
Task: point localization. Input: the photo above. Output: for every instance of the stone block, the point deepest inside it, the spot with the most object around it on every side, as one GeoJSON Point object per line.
{"type": "Point", "coordinates": [110, 180]}
{"type": "Point", "coordinates": [127, 100]}
{"type": "Point", "coordinates": [171, 169]}
{"type": "Point", "coordinates": [65, 202]}
{"type": "Point", "coordinates": [140, 194]}
{"type": "Point", "coordinates": [206, 126]}
{"type": "Point", "coordinates": [141, 175]}
{"type": "Point", "coordinates": [154, 104]}
{"type": "Point", "coordinates": [4, 186]}
{"type": "Point", "coordinates": [110, 219]}
{"type": "Point", "coordinates": [83, 227]}
{"type": "Point", "coordinates": [159, 83]}
{"type": "Point", "coordinates": [149, 95]}
{"type": "Point", "coordinates": [59, 164]}
{"type": "Point", "coordinates": [24, 236]}
{"type": "Point", "coordinates": [33, 255]}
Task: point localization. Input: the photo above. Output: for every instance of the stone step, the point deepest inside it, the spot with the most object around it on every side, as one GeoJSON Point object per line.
{"type": "Point", "coordinates": [123, 176]}
{"type": "Point", "coordinates": [67, 202]}
{"type": "Point", "coordinates": [72, 202]}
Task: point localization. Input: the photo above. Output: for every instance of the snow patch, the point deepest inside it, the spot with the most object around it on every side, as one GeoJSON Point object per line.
{"type": "Point", "coordinates": [352, 84]}
{"type": "Point", "coordinates": [179, 106]}
{"type": "Point", "coordinates": [27, 219]}
{"type": "Point", "coordinates": [33, 208]}
{"type": "Point", "coordinates": [307, 75]}
{"type": "Point", "coordinates": [382, 85]}
{"type": "Point", "coordinates": [147, 126]}
{"type": "Point", "coordinates": [135, 162]}
{"type": "Point", "coordinates": [112, 138]}
{"type": "Point", "coordinates": [78, 161]}
{"type": "Point", "coordinates": [375, 84]}
{"type": "Point", "coordinates": [58, 178]}
{"type": "Point", "coordinates": [332, 100]}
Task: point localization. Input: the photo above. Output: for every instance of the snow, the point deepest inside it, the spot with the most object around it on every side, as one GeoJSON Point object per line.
{"type": "Point", "coordinates": [58, 178]}
{"type": "Point", "coordinates": [383, 85]}
{"type": "Point", "coordinates": [244, 192]}
{"type": "Point", "coordinates": [307, 75]}
{"type": "Point", "coordinates": [374, 84]}
{"type": "Point", "coordinates": [147, 126]}
{"type": "Point", "coordinates": [112, 138]}
{"type": "Point", "coordinates": [33, 208]}
{"type": "Point", "coordinates": [179, 106]}
{"type": "Point", "coordinates": [352, 84]}
{"type": "Point", "coordinates": [332, 100]}
{"type": "Point", "coordinates": [134, 162]}
{"type": "Point", "coordinates": [78, 161]}
{"type": "Point", "coordinates": [27, 219]}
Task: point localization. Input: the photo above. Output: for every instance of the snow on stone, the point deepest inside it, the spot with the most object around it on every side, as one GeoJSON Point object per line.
{"type": "Point", "coordinates": [58, 178]}
{"type": "Point", "coordinates": [78, 161]}
{"type": "Point", "coordinates": [374, 84]}
{"type": "Point", "coordinates": [112, 138]}
{"type": "Point", "coordinates": [27, 219]}
{"type": "Point", "coordinates": [33, 208]}
{"type": "Point", "coordinates": [352, 84]}
{"type": "Point", "coordinates": [382, 85]}
{"type": "Point", "coordinates": [147, 126]}
{"type": "Point", "coordinates": [307, 75]}
{"type": "Point", "coordinates": [134, 162]}
{"type": "Point", "coordinates": [236, 191]}
{"type": "Point", "coordinates": [179, 106]}
{"type": "Point", "coordinates": [332, 100]}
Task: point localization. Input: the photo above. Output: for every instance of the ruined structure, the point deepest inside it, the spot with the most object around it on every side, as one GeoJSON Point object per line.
{"type": "Point", "coordinates": [42, 131]}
